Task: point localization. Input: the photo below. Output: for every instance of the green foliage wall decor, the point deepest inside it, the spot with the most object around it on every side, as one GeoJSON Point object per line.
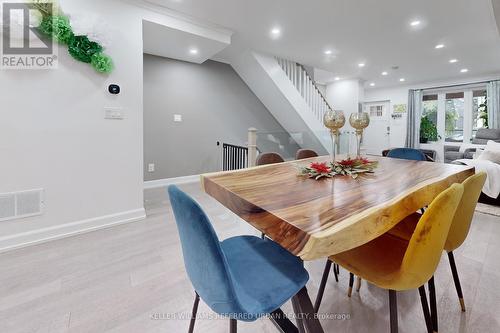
{"type": "Point", "coordinates": [56, 25]}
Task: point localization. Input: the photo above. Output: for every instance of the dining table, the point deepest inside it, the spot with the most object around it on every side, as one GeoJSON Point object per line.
{"type": "Point", "coordinates": [315, 219]}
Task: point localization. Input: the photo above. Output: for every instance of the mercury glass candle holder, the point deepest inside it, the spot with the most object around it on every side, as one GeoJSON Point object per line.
{"type": "Point", "coordinates": [359, 121]}
{"type": "Point", "coordinates": [334, 120]}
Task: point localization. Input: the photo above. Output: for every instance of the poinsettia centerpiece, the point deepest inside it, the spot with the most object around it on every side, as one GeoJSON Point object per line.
{"type": "Point", "coordinates": [351, 167]}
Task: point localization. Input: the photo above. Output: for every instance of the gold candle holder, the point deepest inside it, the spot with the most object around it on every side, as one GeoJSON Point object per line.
{"type": "Point", "coordinates": [359, 121]}
{"type": "Point", "coordinates": [334, 120]}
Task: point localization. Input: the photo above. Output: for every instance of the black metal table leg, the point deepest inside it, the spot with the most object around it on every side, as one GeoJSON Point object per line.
{"type": "Point", "coordinates": [310, 318]}
{"type": "Point", "coordinates": [282, 323]}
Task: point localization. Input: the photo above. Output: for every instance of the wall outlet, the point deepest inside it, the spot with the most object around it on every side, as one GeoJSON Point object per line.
{"type": "Point", "coordinates": [151, 167]}
{"type": "Point", "coordinates": [114, 113]}
{"type": "Point", "coordinates": [177, 118]}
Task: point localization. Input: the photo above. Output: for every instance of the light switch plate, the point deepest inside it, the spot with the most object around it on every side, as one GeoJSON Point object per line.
{"type": "Point", "coordinates": [114, 113]}
{"type": "Point", "coordinates": [177, 118]}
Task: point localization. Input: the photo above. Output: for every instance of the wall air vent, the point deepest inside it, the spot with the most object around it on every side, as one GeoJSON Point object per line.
{"type": "Point", "coordinates": [21, 204]}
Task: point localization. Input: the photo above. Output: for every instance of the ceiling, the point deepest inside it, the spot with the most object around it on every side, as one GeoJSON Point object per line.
{"type": "Point", "coordinates": [375, 32]}
{"type": "Point", "coordinates": [179, 43]}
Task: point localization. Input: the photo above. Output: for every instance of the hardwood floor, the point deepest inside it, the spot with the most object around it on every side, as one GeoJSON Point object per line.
{"type": "Point", "coordinates": [131, 278]}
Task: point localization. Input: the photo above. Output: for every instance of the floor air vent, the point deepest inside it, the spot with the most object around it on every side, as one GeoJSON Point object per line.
{"type": "Point", "coordinates": [21, 204]}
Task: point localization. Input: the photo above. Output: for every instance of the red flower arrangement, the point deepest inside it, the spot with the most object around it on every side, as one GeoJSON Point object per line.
{"type": "Point", "coordinates": [351, 167]}
{"type": "Point", "coordinates": [320, 167]}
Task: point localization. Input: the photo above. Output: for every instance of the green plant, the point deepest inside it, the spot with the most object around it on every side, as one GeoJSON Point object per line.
{"type": "Point", "coordinates": [483, 114]}
{"type": "Point", "coordinates": [428, 131]}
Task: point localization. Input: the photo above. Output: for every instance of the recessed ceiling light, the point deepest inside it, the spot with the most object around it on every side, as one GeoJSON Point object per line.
{"type": "Point", "coordinates": [385, 73]}
{"type": "Point", "coordinates": [402, 79]}
{"type": "Point", "coordinates": [328, 52]}
{"type": "Point", "coordinates": [464, 70]}
{"type": "Point", "coordinates": [452, 61]}
{"type": "Point", "coordinates": [193, 51]}
{"type": "Point", "coordinates": [361, 65]}
{"type": "Point", "coordinates": [439, 46]}
{"type": "Point", "coordinates": [415, 23]}
{"type": "Point", "coordinates": [336, 78]}
{"type": "Point", "coordinates": [275, 32]}
{"type": "Point", "coordinates": [372, 84]}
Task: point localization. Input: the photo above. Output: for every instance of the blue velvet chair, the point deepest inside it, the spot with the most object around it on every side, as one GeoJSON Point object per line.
{"type": "Point", "coordinates": [243, 277]}
{"type": "Point", "coordinates": [407, 154]}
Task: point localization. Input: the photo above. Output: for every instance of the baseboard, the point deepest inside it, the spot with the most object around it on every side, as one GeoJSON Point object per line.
{"type": "Point", "coordinates": [171, 181]}
{"type": "Point", "coordinates": [43, 235]}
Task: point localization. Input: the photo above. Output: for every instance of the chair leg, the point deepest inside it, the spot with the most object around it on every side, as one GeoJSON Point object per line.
{"type": "Point", "coordinates": [322, 285]}
{"type": "Point", "coordinates": [393, 310]}
{"type": "Point", "coordinates": [454, 272]}
{"type": "Point", "coordinates": [195, 311]}
{"type": "Point", "coordinates": [233, 326]}
{"type": "Point", "coordinates": [358, 283]}
{"type": "Point", "coordinates": [263, 236]}
{"type": "Point", "coordinates": [425, 308]}
{"type": "Point", "coordinates": [351, 283]}
{"type": "Point", "coordinates": [433, 304]}
{"type": "Point", "coordinates": [336, 271]}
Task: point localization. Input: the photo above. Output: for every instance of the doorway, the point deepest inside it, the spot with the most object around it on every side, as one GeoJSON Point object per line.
{"type": "Point", "coordinates": [377, 135]}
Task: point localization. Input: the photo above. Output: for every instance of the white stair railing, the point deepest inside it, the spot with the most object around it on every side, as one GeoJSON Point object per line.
{"type": "Point", "coordinates": [306, 87]}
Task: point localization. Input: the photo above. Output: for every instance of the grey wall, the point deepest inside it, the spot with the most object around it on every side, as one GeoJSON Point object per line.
{"type": "Point", "coordinates": [215, 104]}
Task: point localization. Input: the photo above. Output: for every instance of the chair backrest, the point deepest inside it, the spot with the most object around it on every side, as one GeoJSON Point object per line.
{"type": "Point", "coordinates": [407, 154]}
{"type": "Point", "coordinates": [427, 242]}
{"type": "Point", "coordinates": [305, 153]}
{"type": "Point", "coordinates": [269, 158]}
{"type": "Point", "coordinates": [204, 259]}
{"type": "Point", "coordinates": [465, 211]}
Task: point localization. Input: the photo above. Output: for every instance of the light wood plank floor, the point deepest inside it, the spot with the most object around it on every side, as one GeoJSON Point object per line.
{"type": "Point", "coordinates": [131, 278]}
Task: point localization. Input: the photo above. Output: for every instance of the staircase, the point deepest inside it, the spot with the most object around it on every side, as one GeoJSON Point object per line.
{"type": "Point", "coordinates": [306, 87]}
{"type": "Point", "coordinates": [291, 96]}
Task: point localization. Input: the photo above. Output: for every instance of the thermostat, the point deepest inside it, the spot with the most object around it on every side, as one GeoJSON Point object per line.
{"type": "Point", "coordinates": [114, 89]}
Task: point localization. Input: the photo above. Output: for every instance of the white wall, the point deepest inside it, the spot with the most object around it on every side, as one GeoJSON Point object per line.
{"type": "Point", "coordinates": [53, 134]}
{"type": "Point", "coordinates": [345, 95]}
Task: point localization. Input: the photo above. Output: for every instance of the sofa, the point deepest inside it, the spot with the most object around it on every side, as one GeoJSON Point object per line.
{"type": "Point", "coordinates": [452, 153]}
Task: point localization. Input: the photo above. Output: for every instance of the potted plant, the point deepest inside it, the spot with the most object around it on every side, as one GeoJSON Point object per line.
{"type": "Point", "coordinates": [428, 131]}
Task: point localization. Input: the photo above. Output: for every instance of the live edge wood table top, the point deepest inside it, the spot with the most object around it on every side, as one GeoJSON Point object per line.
{"type": "Point", "coordinates": [314, 219]}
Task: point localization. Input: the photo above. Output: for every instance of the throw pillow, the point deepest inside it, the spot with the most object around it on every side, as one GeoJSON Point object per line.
{"type": "Point", "coordinates": [490, 155]}
{"type": "Point", "coordinates": [492, 145]}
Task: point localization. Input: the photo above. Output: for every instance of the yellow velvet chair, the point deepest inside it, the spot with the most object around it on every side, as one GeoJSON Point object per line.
{"type": "Point", "coordinates": [458, 230]}
{"type": "Point", "coordinates": [396, 264]}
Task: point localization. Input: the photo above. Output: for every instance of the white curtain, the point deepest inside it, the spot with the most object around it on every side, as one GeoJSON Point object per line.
{"type": "Point", "coordinates": [494, 104]}
{"type": "Point", "coordinates": [414, 118]}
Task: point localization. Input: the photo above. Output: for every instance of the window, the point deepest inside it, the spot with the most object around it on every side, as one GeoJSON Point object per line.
{"type": "Point", "coordinates": [376, 111]}
{"type": "Point", "coordinates": [430, 108]}
{"type": "Point", "coordinates": [455, 115]}
{"type": "Point", "coordinates": [454, 121]}
{"type": "Point", "coordinates": [479, 111]}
